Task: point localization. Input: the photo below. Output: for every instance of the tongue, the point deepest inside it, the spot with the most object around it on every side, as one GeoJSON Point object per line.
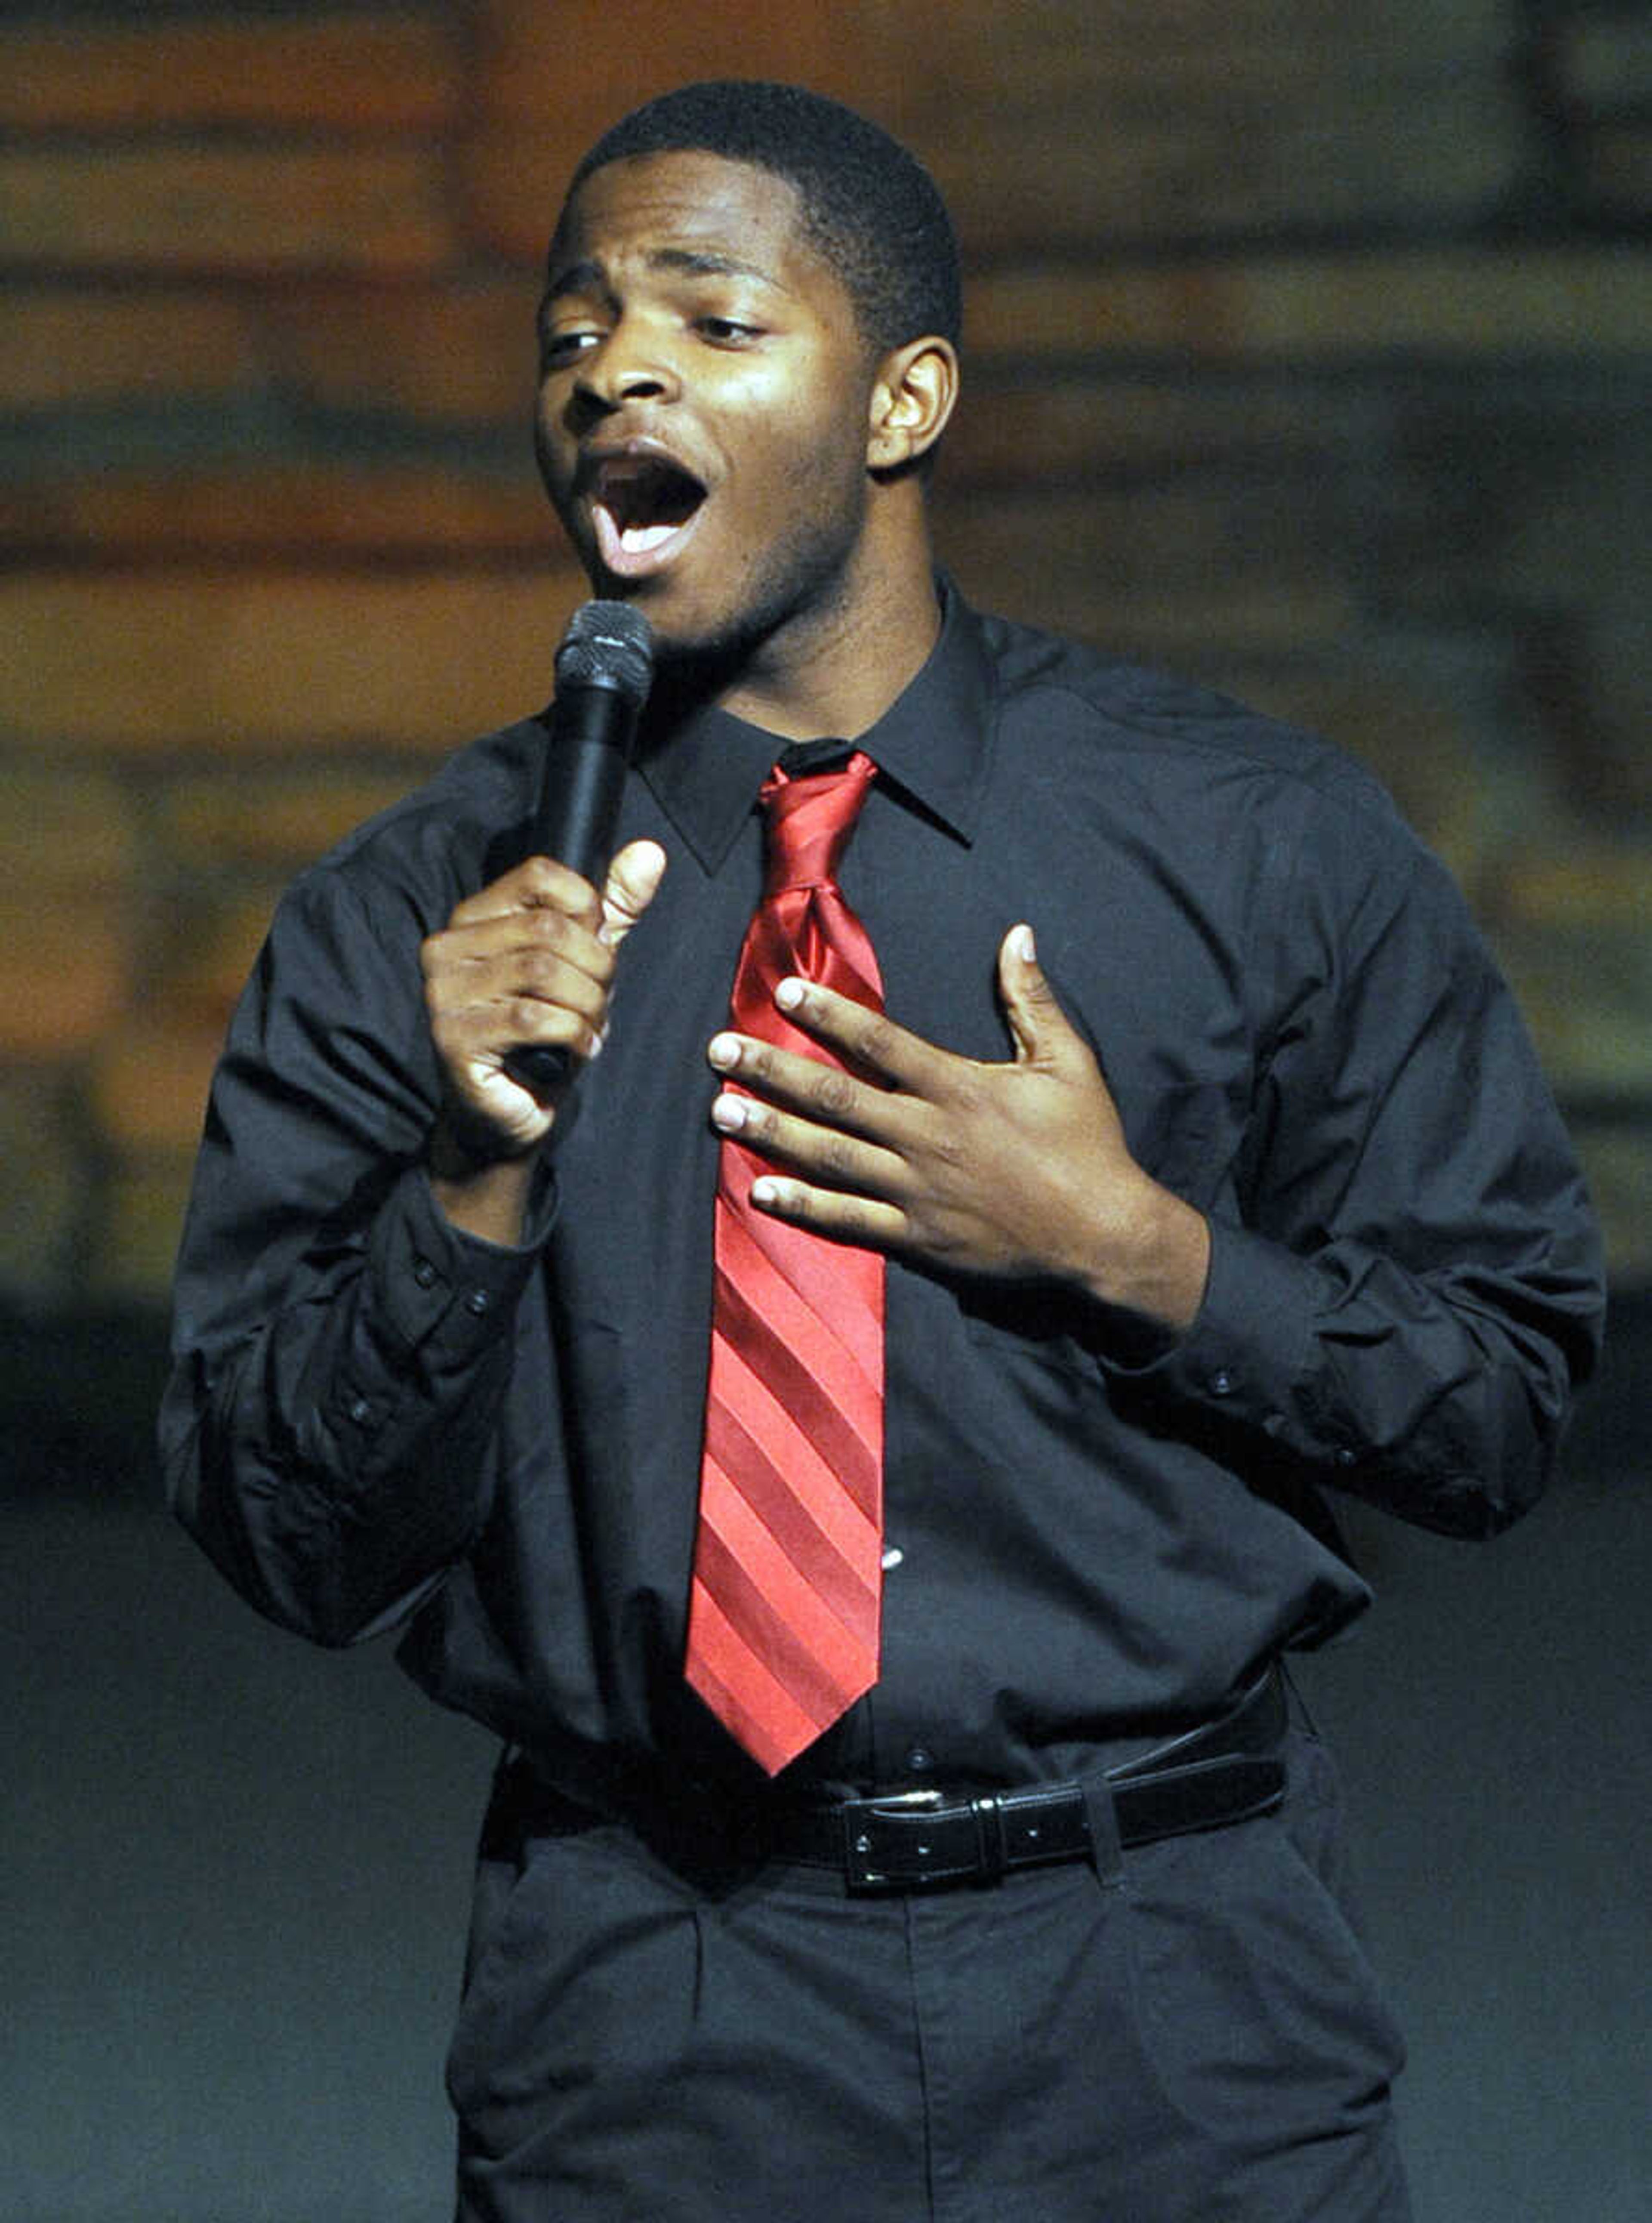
{"type": "Point", "coordinates": [623, 548]}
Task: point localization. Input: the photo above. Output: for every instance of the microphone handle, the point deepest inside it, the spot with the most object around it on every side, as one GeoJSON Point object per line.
{"type": "Point", "coordinates": [585, 761]}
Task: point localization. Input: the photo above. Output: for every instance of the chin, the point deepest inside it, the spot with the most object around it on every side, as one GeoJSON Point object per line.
{"type": "Point", "coordinates": [682, 626]}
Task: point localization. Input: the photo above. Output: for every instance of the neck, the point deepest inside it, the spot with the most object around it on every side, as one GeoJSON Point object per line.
{"type": "Point", "coordinates": [836, 670]}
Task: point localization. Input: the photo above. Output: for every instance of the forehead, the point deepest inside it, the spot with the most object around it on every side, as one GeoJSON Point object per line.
{"type": "Point", "coordinates": [696, 207]}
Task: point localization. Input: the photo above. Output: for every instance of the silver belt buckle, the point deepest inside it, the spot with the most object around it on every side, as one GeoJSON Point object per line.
{"type": "Point", "coordinates": [859, 1849]}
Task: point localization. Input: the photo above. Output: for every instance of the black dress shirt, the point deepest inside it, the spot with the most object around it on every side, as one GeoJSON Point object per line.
{"type": "Point", "coordinates": [374, 1416]}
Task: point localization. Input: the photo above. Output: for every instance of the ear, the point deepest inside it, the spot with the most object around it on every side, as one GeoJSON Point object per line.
{"type": "Point", "coordinates": [913, 392]}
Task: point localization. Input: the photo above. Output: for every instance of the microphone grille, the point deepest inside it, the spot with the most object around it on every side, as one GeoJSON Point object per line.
{"type": "Point", "coordinates": [607, 645]}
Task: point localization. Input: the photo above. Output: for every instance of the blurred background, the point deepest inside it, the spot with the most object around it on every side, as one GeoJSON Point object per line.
{"type": "Point", "coordinates": [1307, 352]}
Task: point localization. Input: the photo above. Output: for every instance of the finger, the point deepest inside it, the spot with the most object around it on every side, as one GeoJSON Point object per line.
{"type": "Point", "coordinates": [826, 1095]}
{"type": "Point", "coordinates": [537, 950]}
{"type": "Point", "coordinates": [838, 1161]}
{"type": "Point", "coordinates": [858, 1220]}
{"type": "Point", "coordinates": [478, 1083]}
{"type": "Point", "coordinates": [515, 1114]}
{"type": "Point", "coordinates": [537, 883]}
{"type": "Point", "coordinates": [633, 881]}
{"type": "Point", "coordinates": [867, 1040]}
{"type": "Point", "coordinates": [517, 988]}
{"type": "Point", "coordinates": [1040, 1028]}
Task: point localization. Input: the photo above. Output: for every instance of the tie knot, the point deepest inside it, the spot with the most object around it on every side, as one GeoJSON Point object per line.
{"type": "Point", "coordinates": [809, 820]}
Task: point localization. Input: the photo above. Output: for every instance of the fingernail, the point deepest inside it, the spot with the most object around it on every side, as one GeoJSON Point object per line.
{"type": "Point", "coordinates": [765, 1191]}
{"type": "Point", "coordinates": [1026, 948]}
{"type": "Point", "coordinates": [728, 1113]}
{"type": "Point", "coordinates": [724, 1052]}
{"type": "Point", "coordinates": [789, 995]}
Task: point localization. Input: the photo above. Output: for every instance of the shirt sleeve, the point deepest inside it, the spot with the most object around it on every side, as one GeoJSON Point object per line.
{"type": "Point", "coordinates": [1406, 1284]}
{"type": "Point", "coordinates": [340, 1349]}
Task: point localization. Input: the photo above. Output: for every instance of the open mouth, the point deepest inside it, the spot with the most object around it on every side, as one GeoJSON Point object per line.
{"type": "Point", "coordinates": [642, 507]}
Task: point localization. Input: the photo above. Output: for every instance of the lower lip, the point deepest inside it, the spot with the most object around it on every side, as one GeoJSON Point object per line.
{"type": "Point", "coordinates": [622, 562]}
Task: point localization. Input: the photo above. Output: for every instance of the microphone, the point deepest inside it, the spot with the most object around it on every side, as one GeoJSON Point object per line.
{"type": "Point", "coordinates": [603, 668]}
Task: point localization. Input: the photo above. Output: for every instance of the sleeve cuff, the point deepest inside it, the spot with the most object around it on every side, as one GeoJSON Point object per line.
{"type": "Point", "coordinates": [1246, 1350]}
{"type": "Point", "coordinates": [436, 1282]}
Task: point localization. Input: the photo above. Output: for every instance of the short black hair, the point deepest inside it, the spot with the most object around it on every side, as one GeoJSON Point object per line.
{"type": "Point", "coordinates": [868, 207]}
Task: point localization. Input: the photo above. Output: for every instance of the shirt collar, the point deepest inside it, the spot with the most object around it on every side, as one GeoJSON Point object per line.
{"type": "Point", "coordinates": [933, 742]}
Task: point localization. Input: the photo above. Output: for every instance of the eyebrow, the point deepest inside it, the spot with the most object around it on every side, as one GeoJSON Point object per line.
{"type": "Point", "coordinates": [693, 262]}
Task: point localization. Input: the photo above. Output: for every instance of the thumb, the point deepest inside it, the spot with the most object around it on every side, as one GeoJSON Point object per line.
{"type": "Point", "coordinates": [1037, 1023]}
{"type": "Point", "coordinates": [633, 878]}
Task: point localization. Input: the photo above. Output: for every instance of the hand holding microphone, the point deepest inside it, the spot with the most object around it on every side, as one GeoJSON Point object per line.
{"type": "Point", "coordinates": [604, 667]}
{"type": "Point", "coordinates": [525, 953]}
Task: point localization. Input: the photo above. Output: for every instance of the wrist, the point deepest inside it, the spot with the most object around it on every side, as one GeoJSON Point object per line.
{"type": "Point", "coordinates": [461, 1148]}
{"type": "Point", "coordinates": [478, 1188]}
{"type": "Point", "coordinates": [1152, 1260]}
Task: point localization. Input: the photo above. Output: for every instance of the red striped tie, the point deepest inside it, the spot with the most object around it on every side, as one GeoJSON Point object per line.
{"type": "Point", "coordinates": [783, 1614]}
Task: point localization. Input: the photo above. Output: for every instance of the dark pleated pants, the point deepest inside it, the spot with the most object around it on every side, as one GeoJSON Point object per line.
{"type": "Point", "coordinates": [1191, 2034]}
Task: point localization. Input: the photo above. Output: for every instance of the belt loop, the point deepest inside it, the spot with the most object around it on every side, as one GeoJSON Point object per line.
{"type": "Point", "coordinates": [1105, 1851]}
{"type": "Point", "coordinates": [990, 1837]}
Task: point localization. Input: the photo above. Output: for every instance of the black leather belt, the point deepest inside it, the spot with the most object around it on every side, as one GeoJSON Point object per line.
{"type": "Point", "coordinates": [1224, 1771]}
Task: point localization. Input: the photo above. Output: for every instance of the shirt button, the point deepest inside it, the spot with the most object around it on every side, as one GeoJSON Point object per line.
{"type": "Point", "coordinates": [360, 1412]}
{"type": "Point", "coordinates": [892, 1559]}
{"type": "Point", "coordinates": [1274, 1424]}
{"type": "Point", "coordinates": [478, 1302]}
{"type": "Point", "coordinates": [920, 1759]}
{"type": "Point", "coordinates": [1222, 1384]}
{"type": "Point", "coordinates": [423, 1273]}
{"type": "Point", "coordinates": [1344, 1457]}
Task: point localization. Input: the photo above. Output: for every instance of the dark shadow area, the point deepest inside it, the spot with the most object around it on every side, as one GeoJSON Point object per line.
{"type": "Point", "coordinates": [236, 1869]}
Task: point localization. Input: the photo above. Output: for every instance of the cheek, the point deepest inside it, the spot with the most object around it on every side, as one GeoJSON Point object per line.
{"type": "Point", "coordinates": [813, 419]}
{"type": "Point", "coordinates": [553, 452]}
{"type": "Point", "coordinates": [821, 456]}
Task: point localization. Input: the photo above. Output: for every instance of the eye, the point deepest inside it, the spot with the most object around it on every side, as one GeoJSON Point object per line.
{"type": "Point", "coordinates": [558, 349]}
{"type": "Point", "coordinates": [727, 331]}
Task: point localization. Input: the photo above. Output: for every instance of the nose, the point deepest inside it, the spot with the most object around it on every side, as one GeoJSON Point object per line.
{"type": "Point", "coordinates": [626, 368]}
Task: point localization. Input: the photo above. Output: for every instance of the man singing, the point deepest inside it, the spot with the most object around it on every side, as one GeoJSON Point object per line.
{"type": "Point", "coordinates": [859, 1442]}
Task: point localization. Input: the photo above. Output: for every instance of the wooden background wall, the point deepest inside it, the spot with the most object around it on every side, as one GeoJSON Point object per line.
{"type": "Point", "coordinates": [1307, 350]}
